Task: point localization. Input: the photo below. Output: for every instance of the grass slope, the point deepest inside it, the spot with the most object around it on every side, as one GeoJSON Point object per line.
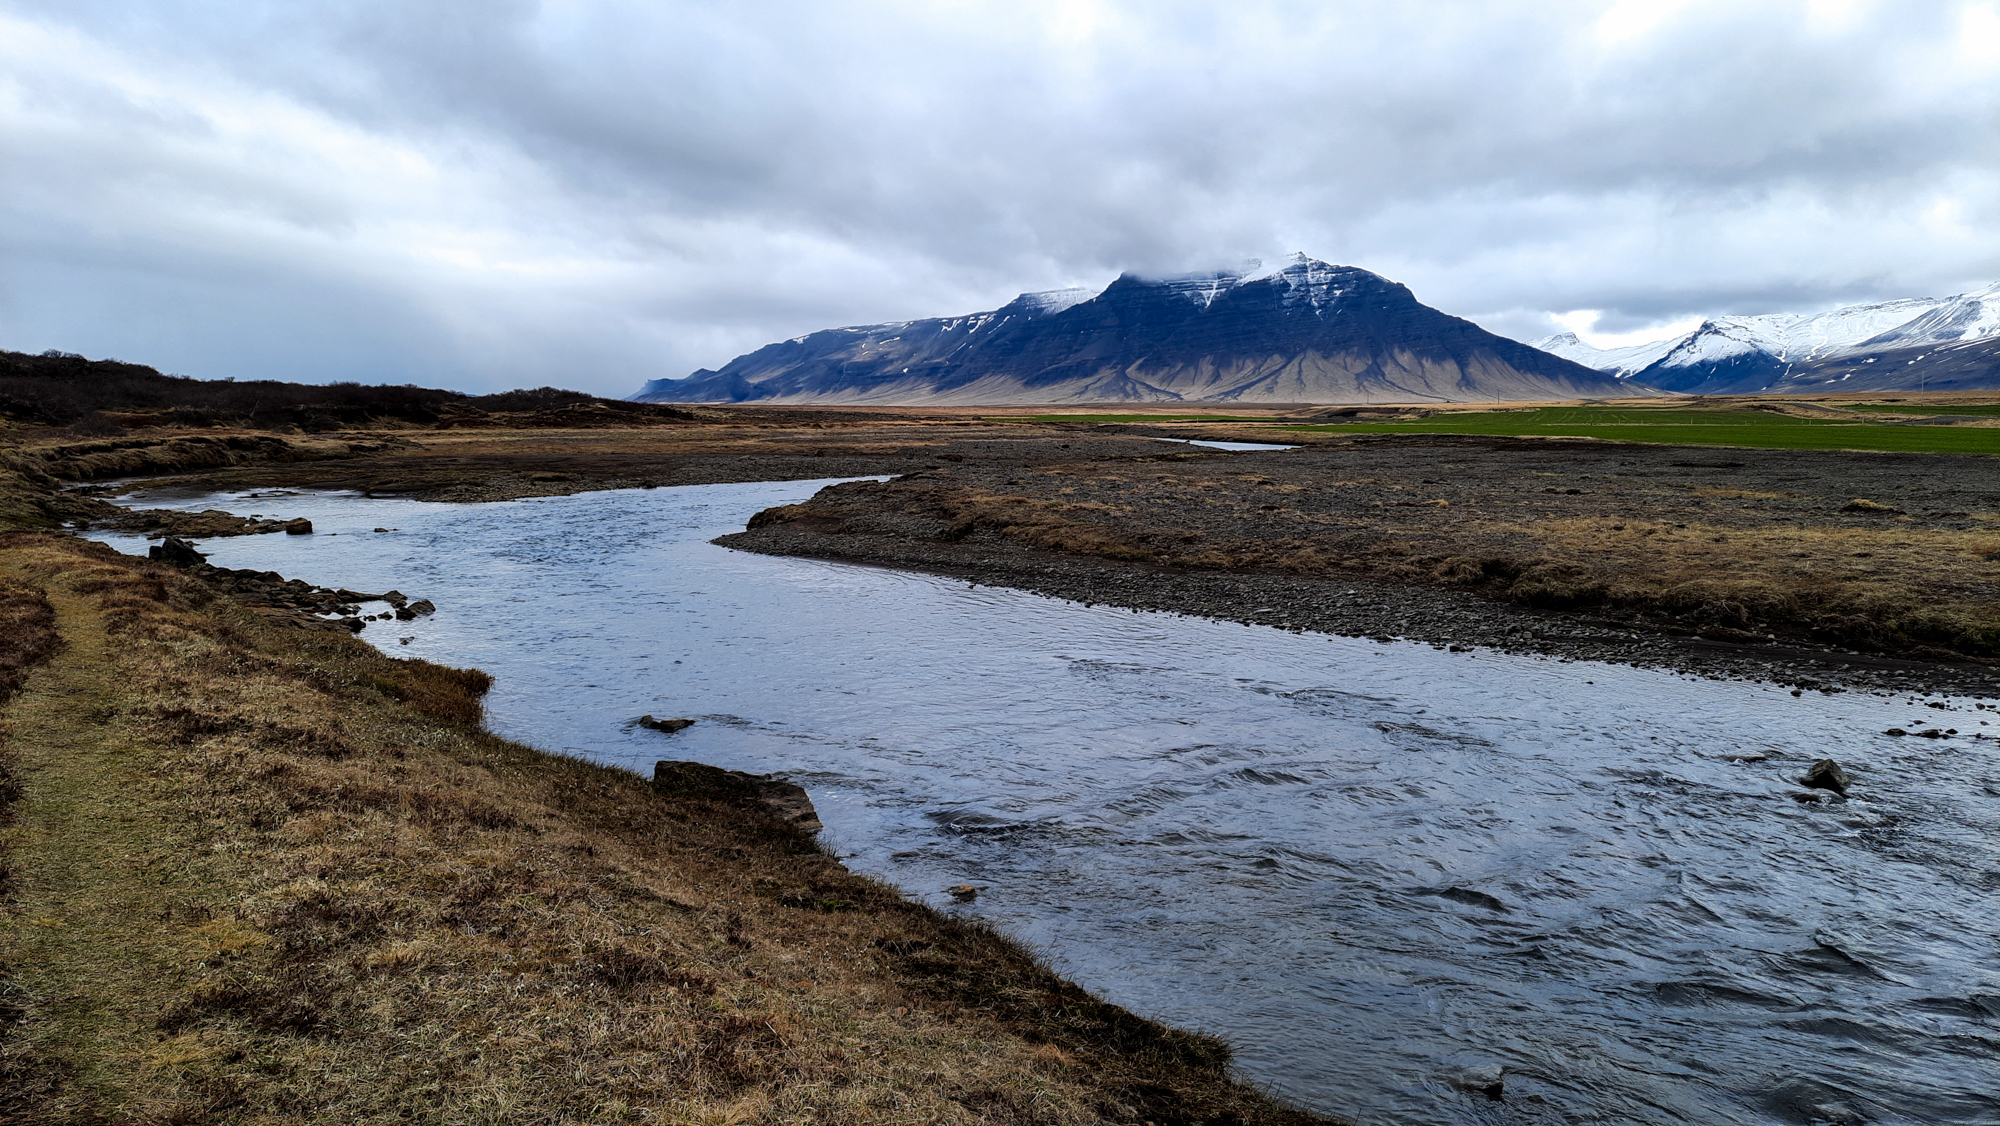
{"type": "Point", "coordinates": [1720, 426]}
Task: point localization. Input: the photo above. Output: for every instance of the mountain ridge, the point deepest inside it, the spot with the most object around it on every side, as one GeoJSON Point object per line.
{"type": "Point", "coordinates": [1944, 343]}
{"type": "Point", "coordinates": [1304, 331]}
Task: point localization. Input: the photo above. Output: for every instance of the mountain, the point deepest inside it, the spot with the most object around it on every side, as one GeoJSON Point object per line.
{"type": "Point", "coordinates": [1949, 343]}
{"type": "Point", "coordinates": [1618, 362]}
{"type": "Point", "coordinates": [1303, 332]}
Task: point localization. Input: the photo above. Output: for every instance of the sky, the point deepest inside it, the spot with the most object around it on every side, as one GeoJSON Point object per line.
{"type": "Point", "coordinates": [487, 194]}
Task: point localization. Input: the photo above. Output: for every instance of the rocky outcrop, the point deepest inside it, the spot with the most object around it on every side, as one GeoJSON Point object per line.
{"type": "Point", "coordinates": [175, 551]}
{"type": "Point", "coordinates": [786, 801]}
{"type": "Point", "coordinates": [292, 601]}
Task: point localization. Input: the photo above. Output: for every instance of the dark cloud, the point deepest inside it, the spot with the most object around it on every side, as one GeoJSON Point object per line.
{"type": "Point", "coordinates": [496, 193]}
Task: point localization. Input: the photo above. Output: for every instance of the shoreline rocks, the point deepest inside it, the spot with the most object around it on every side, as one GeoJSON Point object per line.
{"type": "Point", "coordinates": [787, 801]}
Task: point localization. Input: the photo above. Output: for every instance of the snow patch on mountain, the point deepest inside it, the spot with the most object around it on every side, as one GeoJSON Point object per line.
{"type": "Point", "coordinates": [1053, 300]}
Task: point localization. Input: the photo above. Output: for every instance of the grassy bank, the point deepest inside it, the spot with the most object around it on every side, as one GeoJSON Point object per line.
{"type": "Point", "coordinates": [260, 874]}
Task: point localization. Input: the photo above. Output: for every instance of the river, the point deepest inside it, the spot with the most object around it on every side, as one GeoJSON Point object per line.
{"type": "Point", "coordinates": [1389, 875]}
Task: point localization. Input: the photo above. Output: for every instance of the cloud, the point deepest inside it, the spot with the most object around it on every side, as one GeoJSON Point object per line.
{"type": "Point", "coordinates": [594, 193]}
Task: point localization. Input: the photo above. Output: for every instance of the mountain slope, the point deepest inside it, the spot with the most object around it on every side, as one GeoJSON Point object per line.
{"type": "Point", "coordinates": [1306, 332]}
{"type": "Point", "coordinates": [1951, 342]}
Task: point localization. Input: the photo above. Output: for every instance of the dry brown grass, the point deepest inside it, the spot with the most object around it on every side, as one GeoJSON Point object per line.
{"type": "Point", "coordinates": [269, 875]}
{"type": "Point", "coordinates": [1564, 530]}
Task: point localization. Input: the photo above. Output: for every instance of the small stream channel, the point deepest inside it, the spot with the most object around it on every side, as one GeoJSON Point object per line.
{"type": "Point", "coordinates": [1388, 874]}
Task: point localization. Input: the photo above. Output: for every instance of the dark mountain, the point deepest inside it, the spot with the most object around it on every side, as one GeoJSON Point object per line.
{"type": "Point", "coordinates": [1972, 366]}
{"type": "Point", "coordinates": [1305, 333]}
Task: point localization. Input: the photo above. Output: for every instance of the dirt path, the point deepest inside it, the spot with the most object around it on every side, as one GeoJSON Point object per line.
{"type": "Point", "coordinates": [102, 882]}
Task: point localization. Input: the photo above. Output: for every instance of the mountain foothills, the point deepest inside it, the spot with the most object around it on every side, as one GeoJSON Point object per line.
{"type": "Point", "coordinates": [1304, 332]}
{"type": "Point", "coordinates": [1935, 344]}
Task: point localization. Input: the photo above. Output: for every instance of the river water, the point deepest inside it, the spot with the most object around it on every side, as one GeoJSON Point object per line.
{"type": "Point", "coordinates": [1387, 874]}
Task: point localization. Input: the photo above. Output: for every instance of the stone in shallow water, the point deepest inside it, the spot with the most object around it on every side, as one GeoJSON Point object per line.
{"type": "Point", "coordinates": [1826, 774]}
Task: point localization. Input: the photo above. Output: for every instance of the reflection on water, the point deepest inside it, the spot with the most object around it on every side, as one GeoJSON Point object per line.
{"type": "Point", "coordinates": [1239, 447]}
{"type": "Point", "coordinates": [1380, 870]}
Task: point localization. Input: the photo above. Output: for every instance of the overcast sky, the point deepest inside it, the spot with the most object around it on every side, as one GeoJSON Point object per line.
{"type": "Point", "coordinates": [589, 193]}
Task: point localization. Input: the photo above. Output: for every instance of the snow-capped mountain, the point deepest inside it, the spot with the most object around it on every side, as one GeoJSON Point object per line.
{"type": "Point", "coordinates": [1802, 351]}
{"type": "Point", "coordinates": [1619, 362]}
{"type": "Point", "coordinates": [1300, 331]}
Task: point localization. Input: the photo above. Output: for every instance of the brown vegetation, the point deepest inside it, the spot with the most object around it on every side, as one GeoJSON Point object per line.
{"type": "Point", "coordinates": [267, 874]}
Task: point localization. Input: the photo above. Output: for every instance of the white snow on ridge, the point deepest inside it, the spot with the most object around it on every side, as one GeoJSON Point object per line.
{"type": "Point", "coordinates": [1618, 362]}
{"type": "Point", "coordinates": [1955, 320]}
{"type": "Point", "coordinates": [1056, 300]}
{"type": "Point", "coordinates": [1306, 279]}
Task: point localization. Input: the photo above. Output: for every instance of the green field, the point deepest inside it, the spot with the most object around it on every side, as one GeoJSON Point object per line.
{"type": "Point", "coordinates": [1125, 418]}
{"type": "Point", "coordinates": [1715, 427]}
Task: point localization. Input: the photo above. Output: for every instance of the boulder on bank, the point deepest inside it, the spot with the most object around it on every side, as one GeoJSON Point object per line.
{"type": "Point", "coordinates": [176, 551]}
{"type": "Point", "coordinates": [667, 725]}
{"type": "Point", "coordinates": [786, 801]}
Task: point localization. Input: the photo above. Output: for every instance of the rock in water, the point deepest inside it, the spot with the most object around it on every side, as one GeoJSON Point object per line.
{"type": "Point", "coordinates": [298, 527]}
{"type": "Point", "coordinates": [964, 893]}
{"type": "Point", "coordinates": [1826, 774]}
{"type": "Point", "coordinates": [667, 725]}
{"type": "Point", "coordinates": [787, 801]}
{"type": "Point", "coordinates": [176, 551]}
{"type": "Point", "coordinates": [1489, 1080]}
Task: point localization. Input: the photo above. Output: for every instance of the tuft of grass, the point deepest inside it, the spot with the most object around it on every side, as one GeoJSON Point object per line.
{"type": "Point", "coordinates": [27, 633]}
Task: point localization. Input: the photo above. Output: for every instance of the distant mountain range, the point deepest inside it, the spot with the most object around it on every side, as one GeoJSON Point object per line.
{"type": "Point", "coordinates": [1938, 344]}
{"type": "Point", "coordinates": [1301, 332]}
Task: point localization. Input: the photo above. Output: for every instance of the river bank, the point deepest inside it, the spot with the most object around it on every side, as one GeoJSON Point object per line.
{"type": "Point", "coordinates": [1359, 607]}
{"type": "Point", "coordinates": [1758, 564]}
{"type": "Point", "coordinates": [256, 872]}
